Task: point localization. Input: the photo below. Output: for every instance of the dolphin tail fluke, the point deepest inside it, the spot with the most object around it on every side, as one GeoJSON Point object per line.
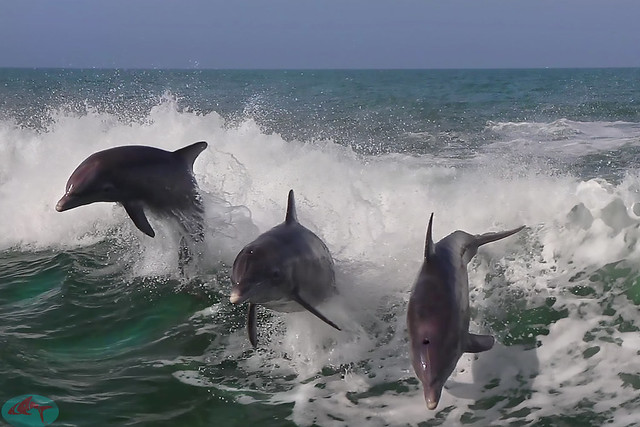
{"type": "Point", "coordinates": [492, 237]}
{"type": "Point", "coordinates": [291, 217]}
{"type": "Point", "coordinates": [191, 152]}
{"type": "Point", "coordinates": [136, 213]}
{"type": "Point", "coordinates": [252, 325]}
{"type": "Point", "coordinates": [478, 343]}
{"type": "Point", "coordinates": [429, 247]}
{"type": "Point", "coordinates": [470, 248]}
{"type": "Point", "coordinates": [309, 307]}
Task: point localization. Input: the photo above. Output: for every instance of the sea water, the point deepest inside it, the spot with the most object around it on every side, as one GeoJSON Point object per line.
{"type": "Point", "coordinates": [96, 317]}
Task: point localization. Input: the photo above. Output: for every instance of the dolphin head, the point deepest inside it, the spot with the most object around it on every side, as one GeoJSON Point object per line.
{"type": "Point", "coordinates": [257, 276]}
{"type": "Point", "coordinates": [433, 341]}
{"type": "Point", "coordinates": [433, 358]}
{"type": "Point", "coordinates": [87, 184]}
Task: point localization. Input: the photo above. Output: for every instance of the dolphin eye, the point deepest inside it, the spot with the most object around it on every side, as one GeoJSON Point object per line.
{"type": "Point", "coordinates": [275, 274]}
{"type": "Point", "coordinates": [426, 341]}
{"type": "Point", "coordinates": [108, 188]}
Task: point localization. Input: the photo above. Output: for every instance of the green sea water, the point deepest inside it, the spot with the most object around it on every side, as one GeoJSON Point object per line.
{"type": "Point", "coordinates": [96, 316]}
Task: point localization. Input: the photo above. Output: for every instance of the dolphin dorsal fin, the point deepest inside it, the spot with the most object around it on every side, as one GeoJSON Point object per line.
{"type": "Point", "coordinates": [190, 152]}
{"type": "Point", "coordinates": [291, 217]}
{"type": "Point", "coordinates": [429, 247]}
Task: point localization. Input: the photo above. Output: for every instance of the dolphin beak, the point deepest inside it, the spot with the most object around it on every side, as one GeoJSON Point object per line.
{"type": "Point", "coordinates": [240, 293]}
{"type": "Point", "coordinates": [60, 206]}
{"type": "Point", "coordinates": [432, 396]}
{"type": "Point", "coordinates": [66, 202]}
{"type": "Point", "coordinates": [431, 404]}
{"type": "Point", "coordinates": [243, 291]}
{"type": "Point", "coordinates": [70, 201]}
{"type": "Point", "coordinates": [236, 297]}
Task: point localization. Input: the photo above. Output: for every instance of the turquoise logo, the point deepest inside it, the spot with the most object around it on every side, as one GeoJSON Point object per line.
{"type": "Point", "coordinates": [30, 410]}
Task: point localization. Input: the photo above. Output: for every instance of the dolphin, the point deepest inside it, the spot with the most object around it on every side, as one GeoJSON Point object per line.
{"type": "Point", "coordinates": [139, 178]}
{"type": "Point", "coordinates": [288, 268]}
{"type": "Point", "coordinates": [438, 312]}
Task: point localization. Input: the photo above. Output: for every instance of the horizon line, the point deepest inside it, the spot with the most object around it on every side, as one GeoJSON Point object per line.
{"type": "Point", "coordinates": [125, 68]}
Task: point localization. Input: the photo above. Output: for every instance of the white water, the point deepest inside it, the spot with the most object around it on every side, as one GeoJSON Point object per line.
{"type": "Point", "coordinates": [564, 138]}
{"type": "Point", "coordinates": [372, 213]}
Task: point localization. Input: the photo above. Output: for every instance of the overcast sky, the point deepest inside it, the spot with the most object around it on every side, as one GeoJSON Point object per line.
{"type": "Point", "coordinates": [319, 33]}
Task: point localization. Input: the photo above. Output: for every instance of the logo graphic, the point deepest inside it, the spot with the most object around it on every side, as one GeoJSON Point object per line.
{"type": "Point", "coordinates": [30, 410]}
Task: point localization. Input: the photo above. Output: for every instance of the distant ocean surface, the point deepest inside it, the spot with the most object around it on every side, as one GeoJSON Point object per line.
{"type": "Point", "coordinates": [94, 315]}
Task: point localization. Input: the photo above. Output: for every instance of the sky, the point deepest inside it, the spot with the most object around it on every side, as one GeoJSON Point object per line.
{"type": "Point", "coordinates": [319, 34]}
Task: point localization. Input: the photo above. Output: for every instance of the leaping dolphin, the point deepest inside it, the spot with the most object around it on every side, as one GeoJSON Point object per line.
{"type": "Point", "coordinates": [139, 178]}
{"type": "Point", "coordinates": [287, 268]}
{"type": "Point", "coordinates": [438, 313]}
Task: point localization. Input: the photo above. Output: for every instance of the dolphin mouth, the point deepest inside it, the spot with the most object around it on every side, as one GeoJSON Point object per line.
{"type": "Point", "coordinates": [242, 293]}
{"type": "Point", "coordinates": [69, 202]}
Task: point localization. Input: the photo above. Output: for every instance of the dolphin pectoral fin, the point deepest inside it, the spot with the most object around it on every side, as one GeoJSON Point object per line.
{"type": "Point", "coordinates": [478, 343]}
{"type": "Point", "coordinates": [136, 213]}
{"type": "Point", "coordinates": [251, 325]}
{"type": "Point", "coordinates": [313, 311]}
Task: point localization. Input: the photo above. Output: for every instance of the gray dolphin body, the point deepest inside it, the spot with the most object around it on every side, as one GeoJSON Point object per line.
{"type": "Point", "coordinates": [139, 178]}
{"type": "Point", "coordinates": [287, 268]}
{"type": "Point", "coordinates": [438, 312]}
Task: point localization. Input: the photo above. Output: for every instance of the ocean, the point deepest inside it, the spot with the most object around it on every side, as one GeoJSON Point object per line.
{"type": "Point", "coordinates": [96, 317]}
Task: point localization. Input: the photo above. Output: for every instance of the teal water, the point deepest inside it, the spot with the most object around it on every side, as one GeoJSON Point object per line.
{"type": "Point", "coordinates": [96, 317]}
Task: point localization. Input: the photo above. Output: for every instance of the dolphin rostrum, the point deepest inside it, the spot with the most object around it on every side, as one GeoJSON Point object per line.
{"type": "Point", "coordinates": [287, 268]}
{"type": "Point", "coordinates": [438, 312]}
{"type": "Point", "coordinates": [139, 178]}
